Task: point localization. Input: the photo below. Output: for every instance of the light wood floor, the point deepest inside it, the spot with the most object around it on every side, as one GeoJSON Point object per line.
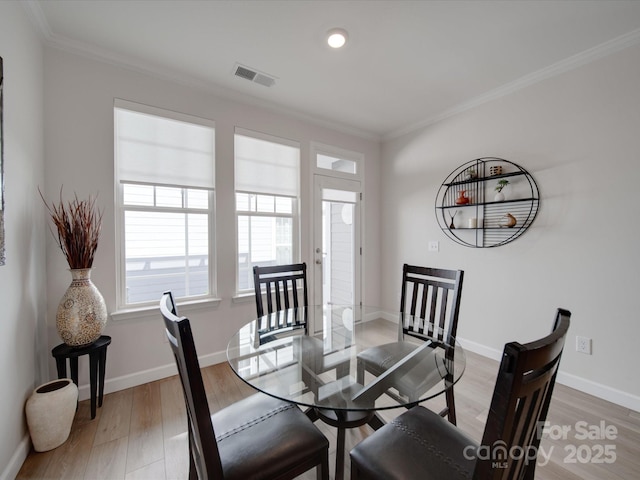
{"type": "Point", "coordinates": [140, 433]}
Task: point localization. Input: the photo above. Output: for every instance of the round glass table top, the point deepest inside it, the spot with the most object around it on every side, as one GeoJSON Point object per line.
{"type": "Point", "coordinates": [344, 358]}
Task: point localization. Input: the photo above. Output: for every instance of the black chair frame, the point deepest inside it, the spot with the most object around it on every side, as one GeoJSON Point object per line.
{"type": "Point", "coordinates": [429, 309]}
{"type": "Point", "coordinates": [421, 445]}
{"type": "Point", "coordinates": [281, 287]}
{"type": "Point", "coordinates": [205, 461]}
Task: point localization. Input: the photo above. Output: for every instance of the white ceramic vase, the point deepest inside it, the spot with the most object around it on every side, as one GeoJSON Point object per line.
{"type": "Point", "coordinates": [50, 410]}
{"type": "Point", "coordinates": [499, 197]}
{"type": "Point", "coordinates": [82, 313]}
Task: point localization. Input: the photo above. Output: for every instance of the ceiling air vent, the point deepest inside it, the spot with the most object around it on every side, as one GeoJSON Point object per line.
{"type": "Point", "coordinates": [253, 75]}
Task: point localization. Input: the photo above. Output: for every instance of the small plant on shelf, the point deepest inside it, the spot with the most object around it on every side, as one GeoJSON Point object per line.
{"type": "Point", "coordinates": [470, 173]}
{"type": "Point", "coordinates": [501, 184]}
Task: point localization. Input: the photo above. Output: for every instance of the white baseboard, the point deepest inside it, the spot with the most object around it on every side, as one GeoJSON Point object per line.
{"type": "Point", "coordinates": [480, 349]}
{"type": "Point", "coordinates": [604, 392]}
{"type": "Point", "coordinates": [15, 463]}
{"type": "Point", "coordinates": [139, 378]}
{"type": "Point", "coordinates": [624, 399]}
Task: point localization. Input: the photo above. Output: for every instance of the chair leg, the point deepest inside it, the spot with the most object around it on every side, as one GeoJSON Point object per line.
{"type": "Point", "coordinates": [530, 471]}
{"type": "Point", "coordinates": [322, 470]}
{"type": "Point", "coordinates": [340, 453]}
{"type": "Point", "coordinates": [360, 373]}
{"type": "Point", "coordinates": [451, 406]}
{"type": "Point", "coordinates": [342, 370]}
{"type": "Point", "coordinates": [355, 473]}
{"type": "Point", "coordinates": [193, 473]}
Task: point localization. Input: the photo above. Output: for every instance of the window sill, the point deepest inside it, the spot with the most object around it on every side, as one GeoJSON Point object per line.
{"type": "Point", "coordinates": [153, 311]}
{"type": "Point", "coordinates": [244, 298]}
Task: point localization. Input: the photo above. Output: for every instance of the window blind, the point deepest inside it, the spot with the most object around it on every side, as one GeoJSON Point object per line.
{"type": "Point", "coordinates": [264, 166]}
{"type": "Point", "coordinates": [152, 149]}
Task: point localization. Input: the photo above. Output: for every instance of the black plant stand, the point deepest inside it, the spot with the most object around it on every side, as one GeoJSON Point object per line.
{"type": "Point", "coordinates": [97, 352]}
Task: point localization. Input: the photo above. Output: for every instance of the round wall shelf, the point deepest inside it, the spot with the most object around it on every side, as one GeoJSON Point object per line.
{"type": "Point", "coordinates": [472, 212]}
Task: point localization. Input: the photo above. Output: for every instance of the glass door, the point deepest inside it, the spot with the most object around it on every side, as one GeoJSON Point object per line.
{"type": "Point", "coordinates": [337, 242]}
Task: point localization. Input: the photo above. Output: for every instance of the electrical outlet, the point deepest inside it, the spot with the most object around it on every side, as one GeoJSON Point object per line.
{"type": "Point", "coordinates": [434, 246]}
{"type": "Point", "coordinates": [583, 345]}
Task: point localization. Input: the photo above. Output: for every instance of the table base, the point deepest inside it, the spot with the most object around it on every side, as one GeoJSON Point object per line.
{"type": "Point", "coordinates": [342, 419]}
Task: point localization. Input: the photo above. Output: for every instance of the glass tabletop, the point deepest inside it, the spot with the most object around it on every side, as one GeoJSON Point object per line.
{"type": "Point", "coordinates": [310, 356]}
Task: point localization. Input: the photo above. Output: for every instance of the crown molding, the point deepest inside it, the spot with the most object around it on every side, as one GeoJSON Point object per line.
{"type": "Point", "coordinates": [35, 14]}
{"type": "Point", "coordinates": [50, 39]}
{"type": "Point", "coordinates": [607, 48]}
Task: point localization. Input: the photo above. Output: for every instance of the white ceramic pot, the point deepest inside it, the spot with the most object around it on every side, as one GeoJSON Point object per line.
{"type": "Point", "coordinates": [50, 410]}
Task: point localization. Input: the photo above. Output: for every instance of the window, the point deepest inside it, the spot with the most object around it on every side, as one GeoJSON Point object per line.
{"type": "Point", "coordinates": [336, 162]}
{"type": "Point", "coordinates": [328, 162]}
{"type": "Point", "coordinates": [267, 178]}
{"type": "Point", "coordinates": [165, 205]}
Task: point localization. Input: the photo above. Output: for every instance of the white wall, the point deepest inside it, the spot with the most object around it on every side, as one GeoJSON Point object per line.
{"type": "Point", "coordinates": [22, 292]}
{"type": "Point", "coordinates": [79, 95]}
{"type": "Point", "coordinates": [578, 134]}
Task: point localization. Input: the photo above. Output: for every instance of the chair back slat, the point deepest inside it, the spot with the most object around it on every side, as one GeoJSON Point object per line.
{"type": "Point", "coordinates": [284, 286]}
{"type": "Point", "coordinates": [201, 434]}
{"type": "Point", "coordinates": [520, 402]}
{"type": "Point", "coordinates": [430, 301]}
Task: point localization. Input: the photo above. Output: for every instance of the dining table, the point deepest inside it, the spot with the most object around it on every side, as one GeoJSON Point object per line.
{"type": "Point", "coordinates": [309, 356]}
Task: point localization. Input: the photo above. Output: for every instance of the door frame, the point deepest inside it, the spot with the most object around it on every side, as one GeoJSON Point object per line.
{"type": "Point", "coordinates": [321, 182]}
{"type": "Point", "coordinates": [316, 149]}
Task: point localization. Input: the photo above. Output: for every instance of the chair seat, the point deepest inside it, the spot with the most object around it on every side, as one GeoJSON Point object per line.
{"type": "Point", "coordinates": [377, 360]}
{"type": "Point", "coordinates": [419, 444]}
{"type": "Point", "coordinates": [261, 437]}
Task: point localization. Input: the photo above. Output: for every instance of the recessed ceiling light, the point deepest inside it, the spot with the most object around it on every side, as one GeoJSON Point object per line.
{"type": "Point", "coordinates": [337, 37]}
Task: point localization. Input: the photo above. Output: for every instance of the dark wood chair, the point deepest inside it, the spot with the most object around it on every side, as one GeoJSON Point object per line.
{"type": "Point", "coordinates": [280, 287]}
{"type": "Point", "coordinates": [429, 307]}
{"type": "Point", "coordinates": [285, 286]}
{"type": "Point", "coordinates": [258, 437]}
{"type": "Point", "coordinates": [422, 445]}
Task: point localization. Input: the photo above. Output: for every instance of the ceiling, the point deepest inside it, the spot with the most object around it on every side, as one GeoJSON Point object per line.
{"type": "Point", "coordinates": [406, 64]}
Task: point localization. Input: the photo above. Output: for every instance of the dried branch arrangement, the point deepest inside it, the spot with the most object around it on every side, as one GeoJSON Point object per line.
{"type": "Point", "coordinates": [77, 229]}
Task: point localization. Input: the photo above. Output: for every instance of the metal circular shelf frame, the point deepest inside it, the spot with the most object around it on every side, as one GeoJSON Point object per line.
{"type": "Point", "coordinates": [477, 178]}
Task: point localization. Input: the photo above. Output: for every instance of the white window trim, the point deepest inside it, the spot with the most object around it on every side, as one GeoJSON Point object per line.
{"type": "Point", "coordinates": [243, 296]}
{"type": "Point", "coordinates": [126, 311]}
{"type": "Point", "coordinates": [151, 311]}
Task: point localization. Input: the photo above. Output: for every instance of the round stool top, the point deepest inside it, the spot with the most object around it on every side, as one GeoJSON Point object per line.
{"type": "Point", "coordinates": [64, 350]}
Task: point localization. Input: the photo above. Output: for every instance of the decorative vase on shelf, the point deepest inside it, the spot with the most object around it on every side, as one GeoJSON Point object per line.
{"type": "Point", "coordinates": [452, 225]}
{"type": "Point", "coordinates": [499, 197]}
{"type": "Point", "coordinates": [462, 198]}
{"type": "Point", "coordinates": [82, 313]}
{"type": "Point", "coordinates": [508, 221]}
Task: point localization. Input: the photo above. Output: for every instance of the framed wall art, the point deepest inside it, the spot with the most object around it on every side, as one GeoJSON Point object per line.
{"type": "Point", "coordinates": [2, 258]}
